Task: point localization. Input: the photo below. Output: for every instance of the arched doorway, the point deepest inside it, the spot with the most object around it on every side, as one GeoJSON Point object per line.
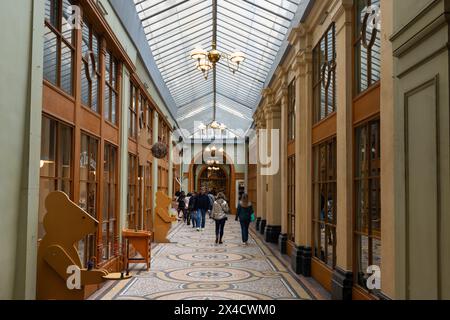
{"type": "Point", "coordinates": [229, 168]}
{"type": "Point", "coordinates": [215, 178]}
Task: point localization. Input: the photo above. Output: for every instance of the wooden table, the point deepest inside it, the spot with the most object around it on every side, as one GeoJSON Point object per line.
{"type": "Point", "coordinates": [141, 241]}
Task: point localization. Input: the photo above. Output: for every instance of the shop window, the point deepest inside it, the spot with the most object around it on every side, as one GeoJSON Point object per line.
{"type": "Point", "coordinates": [132, 112]}
{"type": "Point", "coordinates": [148, 195]}
{"type": "Point", "coordinates": [59, 45]}
{"type": "Point", "coordinates": [90, 68]}
{"type": "Point", "coordinates": [367, 199]}
{"type": "Point", "coordinates": [325, 201]}
{"type": "Point", "coordinates": [324, 75]}
{"type": "Point", "coordinates": [56, 166]}
{"type": "Point", "coordinates": [109, 220]}
{"type": "Point", "coordinates": [291, 198]}
{"type": "Point", "coordinates": [367, 44]}
{"type": "Point", "coordinates": [132, 191]}
{"type": "Point", "coordinates": [88, 193]}
{"type": "Point", "coordinates": [291, 111]}
{"type": "Point", "coordinates": [111, 88]}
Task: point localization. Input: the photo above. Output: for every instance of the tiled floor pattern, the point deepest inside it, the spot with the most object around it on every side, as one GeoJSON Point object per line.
{"type": "Point", "coordinates": [193, 267]}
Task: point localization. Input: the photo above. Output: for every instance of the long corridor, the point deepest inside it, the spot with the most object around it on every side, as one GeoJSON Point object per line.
{"type": "Point", "coordinates": [193, 267]}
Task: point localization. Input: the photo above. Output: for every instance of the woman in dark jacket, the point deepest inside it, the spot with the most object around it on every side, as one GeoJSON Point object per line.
{"type": "Point", "coordinates": [244, 214]}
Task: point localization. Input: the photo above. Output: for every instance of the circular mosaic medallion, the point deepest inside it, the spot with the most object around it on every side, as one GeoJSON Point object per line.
{"type": "Point", "coordinates": [209, 275]}
{"type": "Point", "coordinates": [210, 257]}
{"type": "Point", "coordinates": [211, 295]}
{"type": "Point", "coordinates": [208, 245]}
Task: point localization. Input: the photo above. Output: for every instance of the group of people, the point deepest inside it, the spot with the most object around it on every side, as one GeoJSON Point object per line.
{"type": "Point", "coordinates": [194, 207]}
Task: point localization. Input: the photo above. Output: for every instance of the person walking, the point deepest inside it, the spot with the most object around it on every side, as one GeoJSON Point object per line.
{"type": "Point", "coordinates": [244, 214]}
{"type": "Point", "coordinates": [181, 206]}
{"type": "Point", "coordinates": [192, 210]}
{"type": "Point", "coordinates": [212, 198]}
{"type": "Point", "coordinates": [186, 209]}
{"type": "Point", "coordinates": [202, 205]}
{"type": "Point", "coordinates": [220, 215]}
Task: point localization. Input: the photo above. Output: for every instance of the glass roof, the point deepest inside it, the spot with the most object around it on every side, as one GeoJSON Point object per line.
{"type": "Point", "coordinates": [255, 27]}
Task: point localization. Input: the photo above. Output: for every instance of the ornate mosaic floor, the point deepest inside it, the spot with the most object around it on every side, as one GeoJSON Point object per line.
{"type": "Point", "coordinates": [193, 267]}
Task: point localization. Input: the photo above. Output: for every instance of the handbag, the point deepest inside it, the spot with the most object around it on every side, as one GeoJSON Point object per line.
{"type": "Point", "coordinates": [252, 218]}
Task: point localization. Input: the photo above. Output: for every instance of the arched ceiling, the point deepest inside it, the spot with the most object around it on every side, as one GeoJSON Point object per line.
{"type": "Point", "coordinates": [258, 28]}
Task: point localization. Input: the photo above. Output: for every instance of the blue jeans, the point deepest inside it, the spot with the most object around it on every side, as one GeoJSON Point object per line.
{"type": "Point", "coordinates": [244, 230]}
{"type": "Point", "coordinates": [201, 218]}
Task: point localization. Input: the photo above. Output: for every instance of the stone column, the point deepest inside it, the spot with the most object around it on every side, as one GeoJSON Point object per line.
{"type": "Point", "coordinates": [272, 113]}
{"type": "Point", "coordinates": [282, 240]}
{"type": "Point", "coordinates": [261, 184]}
{"type": "Point", "coordinates": [301, 258]}
{"type": "Point", "coordinates": [342, 280]}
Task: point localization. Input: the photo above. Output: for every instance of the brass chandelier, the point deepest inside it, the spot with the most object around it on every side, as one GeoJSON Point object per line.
{"type": "Point", "coordinates": [207, 60]}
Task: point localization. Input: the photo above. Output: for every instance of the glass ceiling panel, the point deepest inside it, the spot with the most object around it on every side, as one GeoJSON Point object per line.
{"type": "Point", "coordinates": [174, 28]}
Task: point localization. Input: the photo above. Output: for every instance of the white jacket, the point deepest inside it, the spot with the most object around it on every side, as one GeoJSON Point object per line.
{"type": "Point", "coordinates": [220, 209]}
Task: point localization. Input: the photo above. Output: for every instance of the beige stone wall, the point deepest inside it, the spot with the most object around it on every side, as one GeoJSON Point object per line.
{"type": "Point", "coordinates": [421, 206]}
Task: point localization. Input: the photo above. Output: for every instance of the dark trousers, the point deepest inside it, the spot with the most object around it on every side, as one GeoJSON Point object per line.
{"type": "Point", "coordinates": [220, 226]}
{"type": "Point", "coordinates": [244, 230]}
{"type": "Point", "coordinates": [201, 221]}
{"type": "Point", "coordinates": [194, 219]}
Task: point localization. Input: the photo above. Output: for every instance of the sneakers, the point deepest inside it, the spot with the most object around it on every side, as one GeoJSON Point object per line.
{"type": "Point", "coordinates": [198, 229]}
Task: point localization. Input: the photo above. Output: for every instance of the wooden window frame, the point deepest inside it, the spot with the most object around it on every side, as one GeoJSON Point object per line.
{"type": "Point", "coordinates": [330, 183]}
{"type": "Point", "coordinates": [357, 45]}
{"type": "Point", "coordinates": [148, 196]}
{"type": "Point", "coordinates": [368, 232]}
{"type": "Point", "coordinates": [291, 186]}
{"type": "Point", "coordinates": [87, 61]}
{"type": "Point", "coordinates": [60, 40]}
{"type": "Point", "coordinates": [57, 179]}
{"type": "Point", "coordinates": [89, 182]}
{"type": "Point", "coordinates": [133, 111]}
{"type": "Point", "coordinates": [320, 69]}
{"type": "Point", "coordinates": [112, 86]}
{"type": "Point", "coordinates": [132, 185]}
{"type": "Point", "coordinates": [291, 110]}
{"type": "Point", "coordinates": [110, 152]}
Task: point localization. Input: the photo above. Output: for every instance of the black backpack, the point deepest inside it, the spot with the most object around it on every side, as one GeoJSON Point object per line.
{"type": "Point", "coordinates": [181, 203]}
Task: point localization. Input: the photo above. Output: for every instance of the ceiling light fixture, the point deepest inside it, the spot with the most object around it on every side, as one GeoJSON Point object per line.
{"type": "Point", "coordinates": [207, 60]}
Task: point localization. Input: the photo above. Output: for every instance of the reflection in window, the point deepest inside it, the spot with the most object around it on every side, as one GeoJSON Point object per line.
{"type": "Point", "coordinates": [59, 45]}
{"type": "Point", "coordinates": [324, 77]}
{"type": "Point", "coordinates": [111, 88]}
{"type": "Point", "coordinates": [367, 44]}
{"type": "Point", "coordinates": [325, 201]}
{"type": "Point", "coordinates": [132, 191]}
{"type": "Point", "coordinates": [291, 198]}
{"type": "Point", "coordinates": [291, 111]}
{"type": "Point", "coordinates": [90, 68]}
{"type": "Point", "coordinates": [88, 192]}
{"type": "Point", "coordinates": [55, 164]}
{"type": "Point", "coordinates": [109, 202]}
{"type": "Point", "coordinates": [367, 199]}
{"type": "Point", "coordinates": [132, 112]}
{"type": "Point", "coordinates": [148, 196]}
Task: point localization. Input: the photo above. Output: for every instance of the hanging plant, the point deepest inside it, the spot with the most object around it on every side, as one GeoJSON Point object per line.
{"type": "Point", "coordinates": [159, 150]}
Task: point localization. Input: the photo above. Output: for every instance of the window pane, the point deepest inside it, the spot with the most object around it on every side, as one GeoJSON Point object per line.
{"type": "Point", "coordinates": [362, 255]}
{"type": "Point", "coordinates": [113, 107]}
{"type": "Point", "coordinates": [50, 56]}
{"type": "Point", "coordinates": [107, 103]}
{"type": "Point", "coordinates": [65, 152]}
{"type": "Point", "coordinates": [85, 85]}
{"type": "Point", "coordinates": [95, 94]}
{"type": "Point", "coordinates": [67, 29]}
{"type": "Point", "coordinates": [48, 148]}
{"type": "Point", "coordinates": [66, 68]}
{"type": "Point", "coordinates": [51, 12]}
